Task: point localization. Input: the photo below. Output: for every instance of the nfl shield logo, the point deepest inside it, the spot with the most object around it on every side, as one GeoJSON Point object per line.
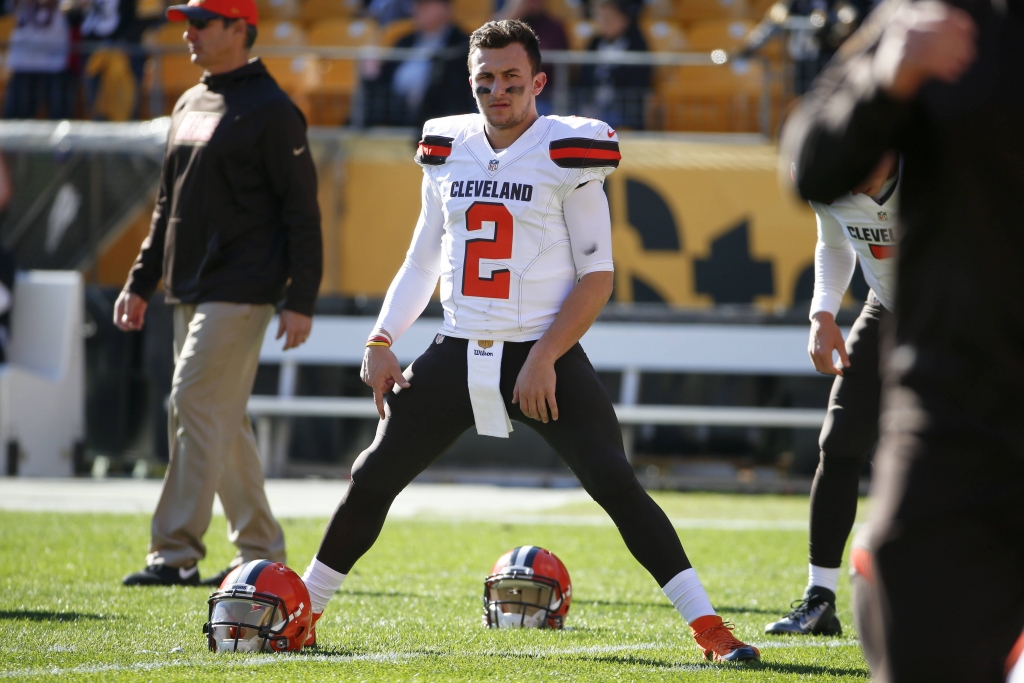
{"type": "Point", "coordinates": [492, 165]}
{"type": "Point", "coordinates": [883, 216]}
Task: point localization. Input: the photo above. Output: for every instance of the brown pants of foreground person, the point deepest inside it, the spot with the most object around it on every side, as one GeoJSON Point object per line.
{"type": "Point", "coordinates": [212, 447]}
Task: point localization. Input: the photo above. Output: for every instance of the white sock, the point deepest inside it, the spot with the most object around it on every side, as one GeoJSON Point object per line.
{"type": "Point", "coordinates": [687, 593]}
{"type": "Point", "coordinates": [322, 582]}
{"type": "Point", "coordinates": [826, 577]}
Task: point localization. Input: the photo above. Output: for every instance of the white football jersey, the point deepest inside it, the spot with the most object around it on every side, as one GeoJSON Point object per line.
{"type": "Point", "coordinates": [506, 261]}
{"type": "Point", "coordinates": [870, 228]}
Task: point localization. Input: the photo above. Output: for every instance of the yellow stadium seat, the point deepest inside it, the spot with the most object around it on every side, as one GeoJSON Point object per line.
{"type": "Point", "coordinates": [580, 33]}
{"type": "Point", "coordinates": [658, 9]}
{"type": "Point", "coordinates": [294, 75]}
{"type": "Point", "coordinates": [708, 98]}
{"type": "Point", "coordinates": [172, 72]}
{"type": "Point", "coordinates": [150, 9]}
{"type": "Point", "coordinates": [758, 8]}
{"type": "Point", "coordinates": [293, 71]}
{"type": "Point", "coordinates": [312, 11]}
{"type": "Point", "coordinates": [718, 34]}
{"type": "Point", "coordinates": [395, 31]}
{"type": "Point", "coordinates": [7, 23]}
{"type": "Point", "coordinates": [663, 36]}
{"type": "Point", "coordinates": [470, 15]}
{"type": "Point", "coordinates": [343, 33]}
{"type": "Point", "coordinates": [330, 96]}
{"type": "Point", "coordinates": [567, 11]}
{"type": "Point", "coordinates": [279, 34]}
{"type": "Point", "coordinates": [277, 10]}
{"type": "Point", "coordinates": [688, 11]}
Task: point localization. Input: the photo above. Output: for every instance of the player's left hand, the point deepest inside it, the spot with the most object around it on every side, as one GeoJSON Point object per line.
{"type": "Point", "coordinates": [296, 325]}
{"type": "Point", "coordinates": [535, 389]}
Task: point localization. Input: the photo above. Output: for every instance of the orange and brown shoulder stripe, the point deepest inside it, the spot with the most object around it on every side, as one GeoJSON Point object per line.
{"type": "Point", "coordinates": [584, 153]}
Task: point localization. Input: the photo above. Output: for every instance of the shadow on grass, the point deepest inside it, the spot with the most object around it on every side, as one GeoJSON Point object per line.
{"type": "Point", "coordinates": [385, 594]}
{"type": "Point", "coordinates": [47, 615]}
{"type": "Point", "coordinates": [804, 669]}
{"type": "Point", "coordinates": [626, 659]}
{"type": "Point", "coordinates": [625, 603]}
{"type": "Point", "coordinates": [737, 668]}
{"type": "Point", "coordinates": [733, 609]}
{"type": "Point", "coordinates": [623, 659]}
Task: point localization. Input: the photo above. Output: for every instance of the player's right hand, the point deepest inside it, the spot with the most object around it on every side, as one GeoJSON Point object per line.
{"type": "Point", "coordinates": [130, 312]}
{"type": "Point", "coordinates": [924, 41]}
{"type": "Point", "coordinates": [826, 337]}
{"type": "Point", "coordinates": [381, 372]}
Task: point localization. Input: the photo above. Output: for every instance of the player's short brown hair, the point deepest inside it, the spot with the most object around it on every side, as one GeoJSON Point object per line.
{"type": "Point", "coordinates": [495, 35]}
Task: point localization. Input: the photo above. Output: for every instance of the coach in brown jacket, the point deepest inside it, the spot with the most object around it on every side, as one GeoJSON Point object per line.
{"type": "Point", "coordinates": [236, 229]}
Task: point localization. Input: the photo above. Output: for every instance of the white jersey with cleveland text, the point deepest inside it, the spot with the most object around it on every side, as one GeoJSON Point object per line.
{"type": "Point", "coordinates": [869, 227]}
{"type": "Point", "coordinates": [506, 260]}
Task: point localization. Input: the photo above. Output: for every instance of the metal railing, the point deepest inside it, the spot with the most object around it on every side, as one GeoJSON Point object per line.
{"type": "Point", "coordinates": [565, 94]}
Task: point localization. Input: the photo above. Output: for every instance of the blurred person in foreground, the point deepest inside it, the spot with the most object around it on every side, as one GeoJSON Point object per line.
{"type": "Point", "coordinates": [38, 58]}
{"type": "Point", "coordinates": [615, 93]}
{"type": "Point", "coordinates": [939, 577]}
{"type": "Point", "coordinates": [236, 229]}
{"type": "Point", "coordinates": [551, 34]}
{"type": "Point", "coordinates": [407, 93]}
{"type": "Point", "coordinates": [860, 225]}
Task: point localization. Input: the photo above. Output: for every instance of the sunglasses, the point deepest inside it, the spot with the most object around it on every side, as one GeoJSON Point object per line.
{"type": "Point", "coordinates": [203, 23]}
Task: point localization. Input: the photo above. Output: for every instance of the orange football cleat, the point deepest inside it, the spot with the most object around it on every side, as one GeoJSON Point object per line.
{"type": "Point", "coordinates": [311, 638]}
{"type": "Point", "coordinates": [715, 638]}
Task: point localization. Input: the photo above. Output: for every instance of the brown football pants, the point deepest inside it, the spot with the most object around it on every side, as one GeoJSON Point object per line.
{"type": "Point", "coordinates": [212, 446]}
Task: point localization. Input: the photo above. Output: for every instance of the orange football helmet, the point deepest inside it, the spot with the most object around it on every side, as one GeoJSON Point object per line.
{"type": "Point", "coordinates": [528, 588]}
{"type": "Point", "coordinates": [260, 606]}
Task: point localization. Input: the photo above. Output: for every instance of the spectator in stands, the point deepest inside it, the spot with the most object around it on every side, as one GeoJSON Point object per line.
{"type": "Point", "coordinates": [38, 59]}
{"type": "Point", "coordinates": [551, 35]}
{"type": "Point", "coordinates": [632, 7]}
{"type": "Point", "coordinates": [410, 92]}
{"type": "Point", "coordinates": [386, 11]}
{"type": "Point", "coordinates": [615, 93]}
{"type": "Point", "coordinates": [98, 22]}
{"type": "Point", "coordinates": [812, 49]}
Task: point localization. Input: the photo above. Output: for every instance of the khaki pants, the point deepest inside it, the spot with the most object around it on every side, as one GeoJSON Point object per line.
{"type": "Point", "coordinates": [212, 447]}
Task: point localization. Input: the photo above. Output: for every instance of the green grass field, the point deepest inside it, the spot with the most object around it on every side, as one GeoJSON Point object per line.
{"type": "Point", "coordinates": [412, 606]}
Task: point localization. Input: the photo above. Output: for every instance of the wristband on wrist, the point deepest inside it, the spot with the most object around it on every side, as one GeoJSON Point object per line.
{"type": "Point", "coordinates": [381, 339]}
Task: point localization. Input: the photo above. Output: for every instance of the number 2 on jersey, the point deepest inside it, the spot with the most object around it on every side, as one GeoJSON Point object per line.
{"type": "Point", "coordinates": [499, 247]}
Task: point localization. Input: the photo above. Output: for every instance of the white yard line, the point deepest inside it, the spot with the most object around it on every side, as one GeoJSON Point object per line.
{"type": "Point", "coordinates": [288, 497]}
{"type": "Point", "coordinates": [318, 498]}
{"type": "Point", "coordinates": [268, 660]}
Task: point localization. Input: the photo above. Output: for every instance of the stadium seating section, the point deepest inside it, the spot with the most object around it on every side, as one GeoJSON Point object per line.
{"type": "Point", "coordinates": [725, 98]}
{"type": "Point", "coordinates": [6, 27]}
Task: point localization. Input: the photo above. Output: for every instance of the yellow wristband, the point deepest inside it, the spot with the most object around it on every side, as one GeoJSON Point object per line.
{"type": "Point", "coordinates": [377, 343]}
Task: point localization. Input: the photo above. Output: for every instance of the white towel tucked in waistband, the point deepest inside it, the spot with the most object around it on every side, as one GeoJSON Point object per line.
{"type": "Point", "coordinates": [483, 360]}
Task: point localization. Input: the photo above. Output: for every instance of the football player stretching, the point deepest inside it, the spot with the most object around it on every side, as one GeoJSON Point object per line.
{"type": "Point", "coordinates": [860, 224]}
{"type": "Point", "coordinates": [515, 223]}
